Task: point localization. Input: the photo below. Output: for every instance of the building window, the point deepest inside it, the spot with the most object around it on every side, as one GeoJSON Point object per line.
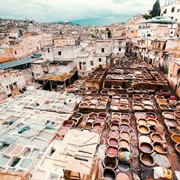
{"type": "Point", "coordinates": [171, 32]}
{"type": "Point", "coordinates": [119, 49]}
{"type": "Point", "coordinates": [59, 52]}
{"type": "Point", "coordinates": [173, 9]}
{"type": "Point", "coordinates": [48, 50]}
{"type": "Point", "coordinates": [92, 63]}
{"type": "Point", "coordinates": [165, 11]}
{"type": "Point", "coordinates": [132, 31]}
{"type": "Point", "coordinates": [102, 49]}
{"type": "Point", "coordinates": [82, 73]}
{"type": "Point", "coordinates": [100, 60]}
{"type": "Point", "coordinates": [15, 52]}
{"type": "Point", "coordinates": [178, 10]}
{"type": "Point", "coordinates": [80, 65]}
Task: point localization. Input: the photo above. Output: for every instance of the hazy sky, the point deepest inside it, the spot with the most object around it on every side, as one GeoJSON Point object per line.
{"type": "Point", "coordinates": [82, 11]}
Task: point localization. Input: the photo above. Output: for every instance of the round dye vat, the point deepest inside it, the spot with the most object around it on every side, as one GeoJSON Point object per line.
{"type": "Point", "coordinates": [161, 160]}
{"type": "Point", "coordinates": [122, 176]}
{"type": "Point", "coordinates": [68, 123]}
{"type": "Point", "coordinates": [152, 121]}
{"type": "Point", "coordinates": [143, 138]}
{"type": "Point", "coordinates": [115, 127]}
{"type": "Point", "coordinates": [125, 128]}
{"type": "Point", "coordinates": [143, 129]}
{"type": "Point", "coordinates": [147, 159]}
{"type": "Point", "coordinates": [78, 115]}
{"type": "Point", "coordinates": [150, 116]}
{"type": "Point", "coordinates": [177, 114]}
{"type": "Point", "coordinates": [90, 120]}
{"type": "Point", "coordinates": [156, 137]}
{"type": "Point", "coordinates": [177, 147]}
{"type": "Point", "coordinates": [141, 121]}
{"type": "Point", "coordinates": [111, 151]}
{"type": "Point", "coordinates": [125, 135]}
{"type": "Point", "coordinates": [125, 121]}
{"type": "Point", "coordinates": [137, 107]}
{"type": "Point", "coordinates": [114, 134]}
{"type": "Point", "coordinates": [140, 115]}
{"type": "Point", "coordinates": [97, 127]}
{"type": "Point", "coordinates": [92, 105]}
{"type": "Point", "coordinates": [176, 138]}
{"type": "Point", "coordinates": [113, 142]}
{"type": "Point", "coordinates": [158, 147]}
{"type": "Point", "coordinates": [93, 115]}
{"type": "Point", "coordinates": [109, 174]}
{"type": "Point", "coordinates": [168, 115]}
{"type": "Point", "coordinates": [146, 147]}
{"type": "Point", "coordinates": [125, 116]}
{"type": "Point", "coordinates": [123, 166]}
{"type": "Point", "coordinates": [124, 144]}
{"type": "Point", "coordinates": [148, 107]}
{"type": "Point", "coordinates": [88, 125]}
{"type": "Point", "coordinates": [110, 162]}
{"type": "Point", "coordinates": [99, 120]}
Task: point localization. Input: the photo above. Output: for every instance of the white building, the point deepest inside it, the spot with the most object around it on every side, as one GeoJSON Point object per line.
{"type": "Point", "coordinates": [11, 82]}
{"type": "Point", "coordinates": [171, 9]}
{"type": "Point", "coordinates": [53, 53]}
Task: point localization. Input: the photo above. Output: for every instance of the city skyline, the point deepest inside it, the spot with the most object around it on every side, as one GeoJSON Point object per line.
{"type": "Point", "coordinates": [87, 12]}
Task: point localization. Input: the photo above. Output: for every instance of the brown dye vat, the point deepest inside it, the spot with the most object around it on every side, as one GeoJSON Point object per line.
{"type": "Point", "coordinates": [147, 159]}
{"type": "Point", "coordinates": [158, 147]}
{"type": "Point", "coordinates": [175, 138]}
{"type": "Point", "coordinates": [109, 174]}
{"type": "Point", "coordinates": [173, 130]}
{"type": "Point", "coordinates": [146, 147]}
{"type": "Point", "coordinates": [62, 132]}
{"type": "Point", "coordinates": [152, 121]}
{"type": "Point", "coordinates": [162, 101]}
{"type": "Point", "coordinates": [93, 115]}
{"type": "Point", "coordinates": [114, 127]}
{"type": "Point", "coordinates": [110, 162]}
{"type": "Point", "coordinates": [141, 121]}
{"type": "Point", "coordinates": [156, 137]}
{"type": "Point", "coordinates": [114, 134]}
{"type": "Point", "coordinates": [100, 119]}
{"type": "Point", "coordinates": [125, 121]}
{"type": "Point", "coordinates": [111, 151]}
{"type": "Point", "coordinates": [88, 125]}
{"type": "Point", "coordinates": [125, 135]}
{"type": "Point", "coordinates": [140, 115]}
{"type": "Point", "coordinates": [113, 142]}
{"type": "Point", "coordinates": [177, 147]}
{"type": "Point", "coordinates": [164, 106]}
{"type": "Point", "coordinates": [143, 129]}
{"type": "Point", "coordinates": [124, 144]}
{"type": "Point", "coordinates": [86, 100]}
{"type": "Point", "coordinates": [122, 176]}
{"type": "Point", "coordinates": [123, 107]}
{"type": "Point", "coordinates": [177, 114]}
{"type": "Point", "coordinates": [83, 105]}
{"type": "Point", "coordinates": [125, 128]}
{"type": "Point", "coordinates": [136, 96]}
{"type": "Point", "coordinates": [97, 127]}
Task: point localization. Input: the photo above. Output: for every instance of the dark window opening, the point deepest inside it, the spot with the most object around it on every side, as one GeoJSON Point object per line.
{"type": "Point", "coordinates": [165, 11]}
{"type": "Point", "coordinates": [119, 49]}
{"type": "Point", "coordinates": [15, 52]}
{"type": "Point", "coordinates": [100, 60]}
{"type": "Point", "coordinates": [80, 65]}
{"type": "Point", "coordinates": [92, 63]}
{"type": "Point", "coordinates": [48, 50]}
{"type": "Point", "coordinates": [59, 52]}
{"type": "Point", "coordinates": [102, 50]}
{"type": "Point", "coordinates": [173, 9]}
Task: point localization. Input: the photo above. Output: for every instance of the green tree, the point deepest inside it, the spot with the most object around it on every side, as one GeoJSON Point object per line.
{"type": "Point", "coordinates": [146, 16]}
{"type": "Point", "coordinates": [156, 9]}
{"type": "Point", "coordinates": [109, 33]}
{"type": "Point", "coordinates": [92, 35]}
